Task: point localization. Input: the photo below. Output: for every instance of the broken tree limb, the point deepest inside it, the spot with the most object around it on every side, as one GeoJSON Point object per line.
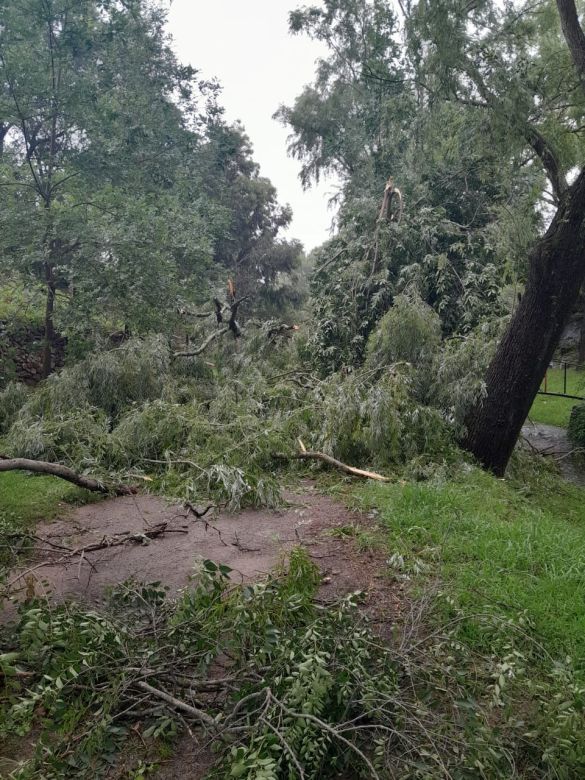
{"type": "Point", "coordinates": [64, 472]}
{"type": "Point", "coordinates": [216, 334]}
{"type": "Point", "coordinates": [305, 454]}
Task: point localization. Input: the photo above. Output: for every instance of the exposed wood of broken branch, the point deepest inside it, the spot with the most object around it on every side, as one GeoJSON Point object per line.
{"type": "Point", "coordinates": [64, 472]}
{"type": "Point", "coordinates": [311, 455]}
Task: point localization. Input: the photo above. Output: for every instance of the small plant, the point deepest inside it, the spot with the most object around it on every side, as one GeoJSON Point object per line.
{"type": "Point", "coordinates": [576, 429]}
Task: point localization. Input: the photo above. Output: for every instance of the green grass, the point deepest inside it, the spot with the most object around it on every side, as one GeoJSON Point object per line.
{"type": "Point", "coordinates": [496, 548]}
{"type": "Point", "coordinates": [25, 499]}
{"type": "Point", "coordinates": [551, 409]}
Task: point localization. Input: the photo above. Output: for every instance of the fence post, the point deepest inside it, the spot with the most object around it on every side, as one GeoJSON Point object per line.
{"type": "Point", "coordinates": [565, 379]}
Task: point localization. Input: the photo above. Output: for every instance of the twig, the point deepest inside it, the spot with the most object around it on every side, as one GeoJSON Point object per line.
{"type": "Point", "coordinates": [326, 727]}
{"type": "Point", "coordinates": [200, 715]}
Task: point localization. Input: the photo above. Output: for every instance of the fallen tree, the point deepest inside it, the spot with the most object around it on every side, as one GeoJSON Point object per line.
{"type": "Point", "coordinates": [64, 472]}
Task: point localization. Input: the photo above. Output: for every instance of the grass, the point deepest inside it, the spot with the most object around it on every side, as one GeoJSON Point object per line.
{"type": "Point", "coordinates": [553, 410]}
{"type": "Point", "coordinates": [25, 499]}
{"type": "Point", "coordinates": [496, 548]}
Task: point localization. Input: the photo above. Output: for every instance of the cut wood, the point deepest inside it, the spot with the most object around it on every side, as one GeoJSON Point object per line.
{"type": "Point", "coordinates": [64, 472]}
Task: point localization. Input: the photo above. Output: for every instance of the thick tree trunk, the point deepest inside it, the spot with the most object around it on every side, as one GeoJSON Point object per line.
{"type": "Point", "coordinates": [49, 326]}
{"type": "Point", "coordinates": [581, 347]}
{"type": "Point", "coordinates": [556, 273]}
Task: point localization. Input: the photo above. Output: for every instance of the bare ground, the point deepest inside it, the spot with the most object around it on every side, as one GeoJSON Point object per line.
{"type": "Point", "coordinates": [551, 441]}
{"type": "Point", "coordinates": [251, 542]}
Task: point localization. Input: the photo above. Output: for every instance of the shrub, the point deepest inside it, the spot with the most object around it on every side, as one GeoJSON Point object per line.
{"type": "Point", "coordinates": [576, 429]}
{"type": "Point", "coordinates": [12, 399]}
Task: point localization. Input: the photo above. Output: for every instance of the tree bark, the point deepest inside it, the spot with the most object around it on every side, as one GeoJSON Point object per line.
{"type": "Point", "coordinates": [49, 326]}
{"type": "Point", "coordinates": [556, 273]}
{"type": "Point", "coordinates": [64, 472]}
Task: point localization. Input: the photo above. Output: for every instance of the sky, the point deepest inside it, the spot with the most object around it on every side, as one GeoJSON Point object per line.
{"type": "Point", "coordinates": [247, 46]}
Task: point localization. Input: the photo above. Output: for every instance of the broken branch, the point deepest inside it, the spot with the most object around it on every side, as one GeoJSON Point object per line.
{"type": "Point", "coordinates": [305, 454]}
{"type": "Point", "coordinates": [64, 472]}
{"type": "Point", "coordinates": [216, 334]}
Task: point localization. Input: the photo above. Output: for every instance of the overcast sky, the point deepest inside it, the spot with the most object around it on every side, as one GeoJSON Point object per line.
{"type": "Point", "coordinates": [248, 47]}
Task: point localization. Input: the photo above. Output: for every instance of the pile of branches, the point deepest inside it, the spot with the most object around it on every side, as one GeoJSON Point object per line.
{"type": "Point", "coordinates": [279, 684]}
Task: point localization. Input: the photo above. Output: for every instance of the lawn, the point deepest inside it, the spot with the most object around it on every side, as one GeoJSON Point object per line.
{"type": "Point", "coordinates": [26, 498]}
{"type": "Point", "coordinates": [551, 409]}
{"type": "Point", "coordinates": [510, 550]}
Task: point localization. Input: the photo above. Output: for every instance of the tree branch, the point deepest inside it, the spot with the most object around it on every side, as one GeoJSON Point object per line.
{"type": "Point", "coordinates": [305, 454]}
{"type": "Point", "coordinates": [574, 36]}
{"type": "Point", "coordinates": [216, 334]}
{"type": "Point", "coordinates": [58, 470]}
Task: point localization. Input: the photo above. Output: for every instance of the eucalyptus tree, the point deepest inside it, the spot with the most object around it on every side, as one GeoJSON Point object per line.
{"type": "Point", "coordinates": [101, 128]}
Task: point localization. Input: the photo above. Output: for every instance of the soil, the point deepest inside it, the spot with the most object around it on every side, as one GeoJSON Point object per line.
{"type": "Point", "coordinates": [251, 543]}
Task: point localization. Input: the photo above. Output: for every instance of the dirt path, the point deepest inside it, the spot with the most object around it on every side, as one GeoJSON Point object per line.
{"type": "Point", "coordinates": [552, 441]}
{"type": "Point", "coordinates": [251, 543]}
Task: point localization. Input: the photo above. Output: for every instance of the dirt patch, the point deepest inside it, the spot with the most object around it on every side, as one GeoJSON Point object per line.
{"type": "Point", "coordinates": [551, 441]}
{"type": "Point", "coordinates": [251, 543]}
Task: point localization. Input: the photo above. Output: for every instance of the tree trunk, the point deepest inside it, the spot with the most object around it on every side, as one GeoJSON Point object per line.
{"type": "Point", "coordinates": [49, 326]}
{"type": "Point", "coordinates": [581, 346]}
{"type": "Point", "coordinates": [556, 273]}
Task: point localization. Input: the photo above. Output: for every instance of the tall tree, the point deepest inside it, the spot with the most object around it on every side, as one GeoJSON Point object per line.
{"type": "Point", "coordinates": [367, 117]}
{"type": "Point", "coordinates": [510, 63]}
{"type": "Point", "coordinates": [102, 130]}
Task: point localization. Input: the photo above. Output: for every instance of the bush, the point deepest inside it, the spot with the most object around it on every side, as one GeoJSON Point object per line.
{"type": "Point", "coordinates": [576, 429]}
{"type": "Point", "coordinates": [12, 399]}
{"type": "Point", "coordinates": [410, 332]}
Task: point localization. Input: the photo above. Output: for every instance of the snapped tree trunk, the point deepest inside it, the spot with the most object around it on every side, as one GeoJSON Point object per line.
{"type": "Point", "coordinates": [556, 273]}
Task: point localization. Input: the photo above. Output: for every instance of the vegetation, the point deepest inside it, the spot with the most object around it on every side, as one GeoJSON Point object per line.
{"type": "Point", "coordinates": [208, 360]}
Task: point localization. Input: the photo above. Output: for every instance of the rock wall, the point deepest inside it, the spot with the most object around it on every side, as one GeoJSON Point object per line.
{"type": "Point", "coordinates": [21, 352]}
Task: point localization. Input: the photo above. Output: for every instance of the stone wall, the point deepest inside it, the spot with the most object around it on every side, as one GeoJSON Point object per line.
{"type": "Point", "coordinates": [21, 352]}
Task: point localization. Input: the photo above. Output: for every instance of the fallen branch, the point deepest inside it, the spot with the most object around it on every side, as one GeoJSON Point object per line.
{"type": "Point", "coordinates": [305, 454]}
{"type": "Point", "coordinates": [118, 540]}
{"type": "Point", "coordinates": [193, 353]}
{"type": "Point", "coordinates": [199, 715]}
{"type": "Point", "coordinates": [64, 472]}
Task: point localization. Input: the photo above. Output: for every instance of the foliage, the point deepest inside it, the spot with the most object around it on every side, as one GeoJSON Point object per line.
{"type": "Point", "coordinates": [576, 429]}
{"type": "Point", "coordinates": [137, 194]}
{"type": "Point", "coordinates": [12, 399]}
{"type": "Point", "coordinates": [459, 370]}
{"type": "Point", "coordinates": [409, 332]}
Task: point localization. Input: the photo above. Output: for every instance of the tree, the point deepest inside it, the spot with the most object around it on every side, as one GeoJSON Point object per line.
{"type": "Point", "coordinates": [250, 247]}
{"type": "Point", "coordinates": [484, 55]}
{"type": "Point", "coordinates": [102, 197]}
{"type": "Point", "coordinates": [368, 116]}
